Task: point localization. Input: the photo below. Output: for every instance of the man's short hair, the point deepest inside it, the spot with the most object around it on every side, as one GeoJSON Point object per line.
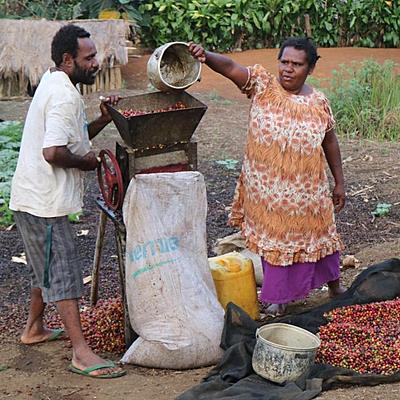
{"type": "Point", "coordinates": [302, 43]}
{"type": "Point", "coordinates": [66, 41]}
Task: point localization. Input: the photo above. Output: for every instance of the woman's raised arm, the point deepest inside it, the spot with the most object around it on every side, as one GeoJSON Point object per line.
{"type": "Point", "coordinates": [225, 66]}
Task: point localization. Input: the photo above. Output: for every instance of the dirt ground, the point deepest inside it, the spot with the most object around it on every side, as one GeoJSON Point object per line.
{"type": "Point", "coordinates": [372, 173]}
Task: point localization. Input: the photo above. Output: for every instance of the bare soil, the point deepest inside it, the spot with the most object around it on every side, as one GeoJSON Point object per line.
{"type": "Point", "coordinates": [372, 173]}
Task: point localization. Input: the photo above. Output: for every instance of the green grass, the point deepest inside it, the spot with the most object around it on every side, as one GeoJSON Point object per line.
{"type": "Point", "coordinates": [365, 99]}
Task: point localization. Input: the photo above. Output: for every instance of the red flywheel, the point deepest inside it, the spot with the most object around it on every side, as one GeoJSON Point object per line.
{"type": "Point", "coordinates": [110, 180]}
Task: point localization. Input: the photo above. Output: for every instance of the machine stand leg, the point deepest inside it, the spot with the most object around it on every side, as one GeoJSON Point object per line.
{"type": "Point", "coordinates": [97, 258]}
{"type": "Point", "coordinates": [120, 234]}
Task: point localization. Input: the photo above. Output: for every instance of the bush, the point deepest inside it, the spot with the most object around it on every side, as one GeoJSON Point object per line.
{"type": "Point", "coordinates": [366, 101]}
{"type": "Point", "coordinates": [229, 24]}
{"type": "Point", "coordinates": [48, 9]}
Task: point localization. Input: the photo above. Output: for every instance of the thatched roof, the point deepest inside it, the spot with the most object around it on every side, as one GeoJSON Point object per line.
{"type": "Point", "coordinates": [25, 44]}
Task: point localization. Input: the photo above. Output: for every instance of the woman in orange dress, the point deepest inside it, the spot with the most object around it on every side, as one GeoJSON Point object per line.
{"type": "Point", "coordinates": [283, 204]}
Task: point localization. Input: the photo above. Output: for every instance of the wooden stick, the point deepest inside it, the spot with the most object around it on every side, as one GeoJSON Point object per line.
{"type": "Point", "coordinates": [107, 80]}
{"type": "Point", "coordinates": [97, 258]}
{"type": "Point", "coordinates": [308, 25]}
{"type": "Point", "coordinates": [118, 77]}
{"type": "Point", "coordinates": [361, 190]}
{"type": "Point", "coordinates": [120, 238]}
{"type": "Point", "coordinates": [112, 79]}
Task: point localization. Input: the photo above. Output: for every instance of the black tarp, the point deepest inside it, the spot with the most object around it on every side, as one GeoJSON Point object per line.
{"type": "Point", "coordinates": [234, 378]}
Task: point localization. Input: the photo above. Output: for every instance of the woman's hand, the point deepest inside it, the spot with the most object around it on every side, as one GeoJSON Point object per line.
{"type": "Point", "coordinates": [221, 64]}
{"type": "Point", "coordinates": [197, 52]}
{"type": "Point", "coordinates": [338, 197]}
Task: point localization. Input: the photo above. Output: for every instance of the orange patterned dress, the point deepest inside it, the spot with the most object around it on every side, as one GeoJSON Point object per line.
{"type": "Point", "coordinates": [283, 203]}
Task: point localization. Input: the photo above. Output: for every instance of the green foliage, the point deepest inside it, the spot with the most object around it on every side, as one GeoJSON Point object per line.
{"type": "Point", "coordinates": [75, 218]}
{"type": "Point", "coordinates": [382, 210]}
{"type": "Point", "coordinates": [228, 24]}
{"type": "Point", "coordinates": [92, 8]}
{"type": "Point", "coordinates": [10, 138]}
{"type": "Point", "coordinates": [48, 9]}
{"type": "Point", "coordinates": [366, 101]}
{"type": "Point", "coordinates": [66, 9]}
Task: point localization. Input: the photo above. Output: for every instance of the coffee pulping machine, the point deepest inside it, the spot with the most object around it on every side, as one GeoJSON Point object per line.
{"type": "Point", "coordinates": [157, 140]}
{"type": "Point", "coordinates": [153, 141]}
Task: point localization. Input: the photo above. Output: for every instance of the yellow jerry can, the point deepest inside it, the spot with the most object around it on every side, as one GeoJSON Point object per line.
{"type": "Point", "coordinates": [235, 282]}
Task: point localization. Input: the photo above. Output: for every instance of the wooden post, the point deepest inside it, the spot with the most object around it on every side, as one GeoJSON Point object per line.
{"type": "Point", "coordinates": [191, 151]}
{"type": "Point", "coordinates": [107, 80]}
{"type": "Point", "coordinates": [120, 239]}
{"type": "Point", "coordinates": [2, 86]}
{"type": "Point", "coordinates": [308, 25]}
{"type": "Point", "coordinates": [22, 84]}
{"type": "Point", "coordinates": [112, 79]}
{"type": "Point", "coordinates": [97, 258]}
{"type": "Point", "coordinates": [100, 86]}
{"type": "Point", "coordinates": [118, 77]}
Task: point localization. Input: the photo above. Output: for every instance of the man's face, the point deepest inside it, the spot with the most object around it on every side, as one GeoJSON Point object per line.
{"type": "Point", "coordinates": [293, 69]}
{"type": "Point", "coordinates": [85, 63]}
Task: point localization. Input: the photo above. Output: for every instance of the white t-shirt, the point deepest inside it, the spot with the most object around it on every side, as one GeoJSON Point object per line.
{"type": "Point", "coordinates": [56, 117]}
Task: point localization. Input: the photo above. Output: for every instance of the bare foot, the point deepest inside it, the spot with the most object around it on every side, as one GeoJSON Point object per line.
{"type": "Point", "coordinates": [335, 288]}
{"type": "Point", "coordinates": [44, 335]}
{"type": "Point", "coordinates": [87, 360]}
{"type": "Point", "coordinates": [275, 310]}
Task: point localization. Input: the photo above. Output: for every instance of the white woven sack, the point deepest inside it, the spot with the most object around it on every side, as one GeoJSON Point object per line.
{"type": "Point", "coordinates": [171, 296]}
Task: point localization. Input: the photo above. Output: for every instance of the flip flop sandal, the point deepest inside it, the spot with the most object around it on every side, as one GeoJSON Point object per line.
{"type": "Point", "coordinates": [57, 334]}
{"type": "Point", "coordinates": [96, 367]}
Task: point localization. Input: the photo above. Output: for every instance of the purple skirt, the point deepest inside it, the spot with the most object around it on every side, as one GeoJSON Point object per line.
{"type": "Point", "coordinates": [282, 285]}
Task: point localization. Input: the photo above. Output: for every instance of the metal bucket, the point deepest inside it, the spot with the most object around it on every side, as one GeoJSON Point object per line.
{"type": "Point", "coordinates": [172, 67]}
{"type": "Point", "coordinates": [283, 352]}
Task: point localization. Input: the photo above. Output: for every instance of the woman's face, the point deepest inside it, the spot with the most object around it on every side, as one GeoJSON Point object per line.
{"type": "Point", "coordinates": [293, 69]}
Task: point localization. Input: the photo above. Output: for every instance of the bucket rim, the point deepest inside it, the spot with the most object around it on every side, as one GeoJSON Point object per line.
{"type": "Point", "coordinates": [164, 47]}
{"type": "Point", "coordinates": [291, 327]}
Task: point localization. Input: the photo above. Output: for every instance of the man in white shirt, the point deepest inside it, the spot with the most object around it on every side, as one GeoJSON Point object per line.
{"type": "Point", "coordinates": [48, 185]}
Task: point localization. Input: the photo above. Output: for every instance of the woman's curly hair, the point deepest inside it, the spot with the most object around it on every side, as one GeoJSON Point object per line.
{"type": "Point", "coordinates": [302, 43]}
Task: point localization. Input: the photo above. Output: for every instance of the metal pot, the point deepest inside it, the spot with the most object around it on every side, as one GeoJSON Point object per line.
{"type": "Point", "coordinates": [171, 67]}
{"type": "Point", "coordinates": [283, 352]}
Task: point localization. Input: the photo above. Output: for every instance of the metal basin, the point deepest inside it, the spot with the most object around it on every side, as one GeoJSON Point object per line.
{"type": "Point", "coordinates": [283, 352]}
{"type": "Point", "coordinates": [172, 67]}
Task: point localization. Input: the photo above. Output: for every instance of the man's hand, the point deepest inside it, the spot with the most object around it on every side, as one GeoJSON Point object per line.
{"type": "Point", "coordinates": [197, 52]}
{"type": "Point", "coordinates": [90, 161]}
{"type": "Point", "coordinates": [338, 197]}
{"type": "Point", "coordinates": [112, 100]}
{"type": "Point", "coordinates": [105, 118]}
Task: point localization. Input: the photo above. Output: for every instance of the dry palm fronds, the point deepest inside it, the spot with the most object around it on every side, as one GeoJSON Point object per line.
{"type": "Point", "coordinates": [25, 44]}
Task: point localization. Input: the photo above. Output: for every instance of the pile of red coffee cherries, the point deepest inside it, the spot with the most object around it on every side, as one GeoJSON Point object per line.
{"type": "Point", "coordinates": [102, 326]}
{"type": "Point", "coordinates": [364, 338]}
{"type": "Point", "coordinates": [130, 112]}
